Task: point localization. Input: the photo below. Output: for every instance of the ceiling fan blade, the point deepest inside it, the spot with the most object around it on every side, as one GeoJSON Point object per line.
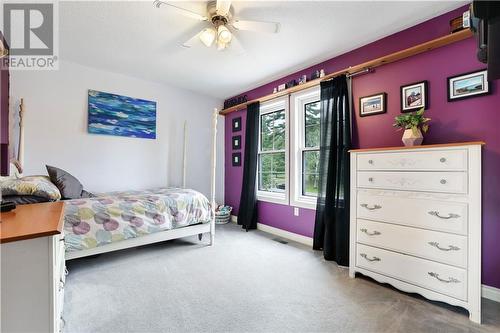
{"type": "Point", "coordinates": [191, 41]}
{"type": "Point", "coordinates": [183, 11]}
{"type": "Point", "coordinates": [222, 7]}
{"type": "Point", "coordinates": [269, 27]}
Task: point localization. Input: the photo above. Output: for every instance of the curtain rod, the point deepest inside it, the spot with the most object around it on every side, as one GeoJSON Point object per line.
{"type": "Point", "coordinates": [384, 60]}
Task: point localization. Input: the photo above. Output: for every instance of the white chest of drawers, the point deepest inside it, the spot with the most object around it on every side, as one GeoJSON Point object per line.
{"type": "Point", "coordinates": [416, 220]}
{"type": "Point", "coordinates": [33, 270]}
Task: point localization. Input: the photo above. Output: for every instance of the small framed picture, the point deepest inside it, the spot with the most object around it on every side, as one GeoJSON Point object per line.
{"type": "Point", "coordinates": [236, 159]}
{"type": "Point", "coordinates": [414, 96]}
{"type": "Point", "coordinates": [468, 85]}
{"type": "Point", "coordinates": [373, 104]}
{"type": "Point", "coordinates": [237, 142]}
{"type": "Point", "coordinates": [237, 124]}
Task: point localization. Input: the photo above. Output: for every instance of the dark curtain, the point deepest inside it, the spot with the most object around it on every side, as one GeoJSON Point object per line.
{"type": "Point", "coordinates": [247, 215]}
{"type": "Point", "coordinates": [331, 228]}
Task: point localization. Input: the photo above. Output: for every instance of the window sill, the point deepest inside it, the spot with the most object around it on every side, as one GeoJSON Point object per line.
{"type": "Point", "coordinates": [272, 198]}
{"type": "Point", "coordinates": [304, 202]}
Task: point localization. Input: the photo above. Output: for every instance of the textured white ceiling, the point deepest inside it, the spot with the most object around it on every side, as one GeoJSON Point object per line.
{"type": "Point", "coordinates": [137, 39]}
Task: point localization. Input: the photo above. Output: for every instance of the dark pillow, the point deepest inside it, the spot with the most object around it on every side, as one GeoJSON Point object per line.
{"type": "Point", "coordinates": [68, 185]}
{"type": "Point", "coordinates": [24, 199]}
{"type": "Point", "coordinates": [86, 194]}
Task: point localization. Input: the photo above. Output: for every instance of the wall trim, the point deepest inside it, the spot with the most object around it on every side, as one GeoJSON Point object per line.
{"type": "Point", "coordinates": [487, 292]}
{"type": "Point", "coordinates": [286, 234]}
{"type": "Point", "coordinates": [280, 233]}
{"type": "Point", "coordinates": [490, 293]}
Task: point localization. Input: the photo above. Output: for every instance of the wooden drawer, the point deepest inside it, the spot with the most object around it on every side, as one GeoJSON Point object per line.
{"type": "Point", "coordinates": [431, 275]}
{"type": "Point", "coordinates": [438, 246]}
{"type": "Point", "coordinates": [432, 160]}
{"type": "Point", "coordinates": [445, 182]}
{"type": "Point", "coordinates": [413, 210]}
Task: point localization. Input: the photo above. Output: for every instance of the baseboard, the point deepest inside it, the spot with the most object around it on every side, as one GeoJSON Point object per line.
{"type": "Point", "coordinates": [280, 233]}
{"type": "Point", "coordinates": [487, 292]}
{"type": "Point", "coordinates": [491, 293]}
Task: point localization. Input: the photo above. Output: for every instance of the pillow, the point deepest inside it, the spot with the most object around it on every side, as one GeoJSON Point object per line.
{"type": "Point", "coordinates": [24, 199]}
{"type": "Point", "coordinates": [39, 186]}
{"type": "Point", "coordinates": [68, 185]}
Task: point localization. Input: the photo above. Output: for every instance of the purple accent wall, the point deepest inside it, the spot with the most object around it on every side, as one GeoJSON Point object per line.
{"type": "Point", "coordinates": [472, 119]}
{"type": "Point", "coordinates": [4, 116]}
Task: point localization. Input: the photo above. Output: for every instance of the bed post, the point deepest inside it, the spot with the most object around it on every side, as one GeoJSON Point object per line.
{"type": "Point", "coordinates": [184, 157]}
{"type": "Point", "coordinates": [212, 176]}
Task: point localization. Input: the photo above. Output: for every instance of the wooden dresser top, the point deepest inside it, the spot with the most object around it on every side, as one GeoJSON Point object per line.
{"type": "Point", "coordinates": [441, 145]}
{"type": "Point", "coordinates": [31, 221]}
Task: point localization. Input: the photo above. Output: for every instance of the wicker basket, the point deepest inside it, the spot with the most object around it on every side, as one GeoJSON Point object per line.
{"type": "Point", "coordinates": [223, 217]}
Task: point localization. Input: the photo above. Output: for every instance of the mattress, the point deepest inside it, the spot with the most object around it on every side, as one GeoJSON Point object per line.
{"type": "Point", "coordinates": [118, 216]}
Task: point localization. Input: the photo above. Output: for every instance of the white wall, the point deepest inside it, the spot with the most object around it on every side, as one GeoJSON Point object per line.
{"type": "Point", "coordinates": [56, 131]}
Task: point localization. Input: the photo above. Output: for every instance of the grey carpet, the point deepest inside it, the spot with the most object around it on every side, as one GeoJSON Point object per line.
{"type": "Point", "coordinates": [245, 283]}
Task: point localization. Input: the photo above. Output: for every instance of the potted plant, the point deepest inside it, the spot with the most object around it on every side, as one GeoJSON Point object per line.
{"type": "Point", "coordinates": [414, 124]}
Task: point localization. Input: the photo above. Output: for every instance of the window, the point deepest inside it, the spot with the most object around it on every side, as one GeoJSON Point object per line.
{"type": "Point", "coordinates": [304, 147]}
{"type": "Point", "coordinates": [272, 181]}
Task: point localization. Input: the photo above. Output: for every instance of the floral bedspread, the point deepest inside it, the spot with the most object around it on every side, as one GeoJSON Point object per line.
{"type": "Point", "coordinates": [116, 216]}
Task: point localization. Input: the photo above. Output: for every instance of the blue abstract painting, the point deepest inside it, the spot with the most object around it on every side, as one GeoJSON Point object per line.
{"type": "Point", "coordinates": [112, 114]}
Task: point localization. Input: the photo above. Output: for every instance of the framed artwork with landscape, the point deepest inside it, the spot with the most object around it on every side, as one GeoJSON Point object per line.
{"type": "Point", "coordinates": [468, 85]}
{"type": "Point", "coordinates": [373, 104]}
{"type": "Point", "coordinates": [414, 96]}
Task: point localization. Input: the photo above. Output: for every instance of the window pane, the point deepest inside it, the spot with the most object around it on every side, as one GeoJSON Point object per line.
{"type": "Point", "coordinates": [272, 131]}
{"type": "Point", "coordinates": [266, 131]}
{"type": "Point", "coordinates": [312, 124]}
{"type": "Point", "coordinates": [279, 130]}
{"type": "Point", "coordinates": [310, 174]}
{"type": "Point", "coordinates": [272, 172]}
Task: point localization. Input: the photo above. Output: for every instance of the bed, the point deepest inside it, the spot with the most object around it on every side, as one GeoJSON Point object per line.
{"type": "Point", "coordinates": [119, 220]}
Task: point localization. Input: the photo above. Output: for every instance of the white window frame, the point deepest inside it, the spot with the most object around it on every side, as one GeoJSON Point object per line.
{"type": "Point", "coordinates": [269, 107]}
{"type": "Point", "coordinates": [297, 146]}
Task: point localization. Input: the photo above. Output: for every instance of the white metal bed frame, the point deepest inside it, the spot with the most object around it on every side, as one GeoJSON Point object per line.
{"type": "Point", "coordinates": [196, 229]}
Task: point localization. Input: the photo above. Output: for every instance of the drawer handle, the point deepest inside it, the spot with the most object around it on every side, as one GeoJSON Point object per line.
{"type": "Point", "coordinates": [450, 279]}
{"type": "Point", "coordinates": [375, 233]}
{"type": "Point", "coordinates": [449, 248]}
{"type": "Point", "coordinates": [442, 160]}
{"type": "Point", "coordinates": [370, 162]}
{"type": "Point", "coordinates": [364, 255]}
{"type": "Point", "coordinates": [371, 208]}
{"type": "Point", "coordinates": [63, 322]}
{"type": "Point", "coordinates": [450, 215]}
{"type": "Point", "coordinates": [66, 272]}
{"type": "Point", "coordinates": [443, 181]}
{"type": "Point", "coordinates": [371, 179]}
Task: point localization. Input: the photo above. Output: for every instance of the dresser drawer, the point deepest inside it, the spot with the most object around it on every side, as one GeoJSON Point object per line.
{"type": "Point", "coordinates": [438, 160]}
{"type": "Point", "coordinates": [431, 275]}
{"type": "Point", "coordinates": [438, 246]}
{"type": "Point", "coordinates": [445, 182]}
{"type": "Point", "coordinates": [411, 209]}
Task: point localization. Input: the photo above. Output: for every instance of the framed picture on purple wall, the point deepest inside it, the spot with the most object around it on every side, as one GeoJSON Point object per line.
{"type": "Point", "coordinates": [373, 104]}
{"type": "Point", "coordinates": [237, 142]}
{"type": "Point", "coordinates": [468, 85]}
{"type": "Point", "coordinates": [236, 159]}
{"type": "Point", "coordinates": [237, 124]}
{"type": "Point", "coordinates": [414, 96]}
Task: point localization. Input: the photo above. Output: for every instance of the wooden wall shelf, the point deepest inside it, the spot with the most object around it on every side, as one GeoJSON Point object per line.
{"type": "Point", "coordinates": [393, 57]}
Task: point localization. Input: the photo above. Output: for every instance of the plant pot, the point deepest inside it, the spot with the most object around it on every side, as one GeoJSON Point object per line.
{"type": "Point", "coordinates": [412, 138]}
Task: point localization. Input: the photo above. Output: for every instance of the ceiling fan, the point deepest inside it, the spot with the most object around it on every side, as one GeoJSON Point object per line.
{"type": "Point", "coordinates": [222, 24]}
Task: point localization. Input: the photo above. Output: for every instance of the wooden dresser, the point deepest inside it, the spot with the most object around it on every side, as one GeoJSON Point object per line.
{"type": "Point", "coordinates": [33, 268]}
{"type": "Point", "coordinates": [416, 220]}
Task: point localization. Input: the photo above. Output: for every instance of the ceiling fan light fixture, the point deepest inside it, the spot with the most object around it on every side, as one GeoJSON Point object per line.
{"type": "Point", "coordinates": [221, 45]}
{"type": "Point", "coordinates": [223, 34]}
{"type": "Point", "coordinates": [207, 37]}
